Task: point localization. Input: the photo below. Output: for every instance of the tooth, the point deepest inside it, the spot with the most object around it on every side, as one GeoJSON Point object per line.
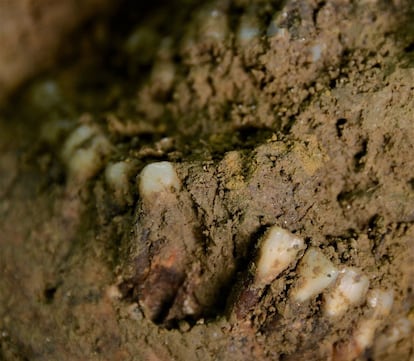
{"type": "Point", "coordinates": [316, 272]}
{"type": "Point", "coordinates": [278, 250]}
{"type": "Point", "coordinates": [117, 178]}
{"type": "Point", "coordinates": [158, 177]}
{"type": "Point", "coordinates": [350, 289]}
{"type": "Point", "coordinates": [80, 135]}
{"type": "Point", "coordinates": [381, 301]}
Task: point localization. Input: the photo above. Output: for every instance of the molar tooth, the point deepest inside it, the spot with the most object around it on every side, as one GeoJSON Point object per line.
{"type": "Point", "coordinates": [278, 250]}
{"type": "Point", "coordinates": [316, 272]}
{"type": "Point", "coordinates": [157, 178]}
{"type": "Point", "coordinates": [350, 289]}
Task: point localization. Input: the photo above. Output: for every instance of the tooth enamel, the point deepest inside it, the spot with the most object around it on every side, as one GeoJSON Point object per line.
{"type": "Point", "coordinates": [117, 178]}
{"type": "Point", "coordinates": [84, 152]}
{"type": "Point", "coordinates": [80, 135]}
{"type": "Point", "coordinates": [350, 289]}
{"type": "Point", "coordinates": [381, 301]}
{"type": "Point", "coordinates": [400, 329]}
{"type": "Point", "coordinates": [158, 177]}
{"type": "Point", "coordinates": [364, 334]}
{"type": "Point", "coordinates": [316, 272]}
{"type": "Point", "coordinates": [84, 163]}
{"type": "Point", "coordinates": [279, 249]}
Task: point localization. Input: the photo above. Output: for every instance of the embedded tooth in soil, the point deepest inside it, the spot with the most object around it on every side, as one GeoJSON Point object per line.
{"type": "Point", "coordinates": [350, 289]}
{"type": "Point", "coordinates": [273, 29]}
{"type": "Point", "coordinates": [381, 302]}
{"type": "Point", "coordinates": [117, 178]}
{"type": "Point", "coordinates": [278, 250]}
{"type": "Point", "coordinates": [399, 330]}
{"type": "Point", "coordinates": [158, 177]}
{"type": "Point", "coordinates": [84, 152]}
{"type": "Point", "coordinates": [248, 30]}
{"type": "Point", "coordinates": [80, 135]}
{"type": "Point", "coordinates": [316, 273]}
{"type": "Point", "coordinates": [213, 24]}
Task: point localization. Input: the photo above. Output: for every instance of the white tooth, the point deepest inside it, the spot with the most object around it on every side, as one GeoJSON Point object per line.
{"type": "Point", "coordinates": [80, 135]}
{"type": "Point", "coordinates": [158, 177]}
{"type": "Point", "coordinates": [381, 301]}
{"type": "Point", "coordinates": [399, 330]}
{"type": "Point", "coordinates": [278, 250]}
{"type": "Point", "coordinates": [248, 30]}
{"type": "Point", "coordinates": [85, 163]}
{"type": "Point", "coordinates": [316, 272]}
{"type": "Point", "coordinates": [350, 289]}
{"type": "Point", "coordinates": [117, 177]}
{"type": "Point", "coordinates": [213, 24]}
{"type": "Point", "coordinates": [364, 334]}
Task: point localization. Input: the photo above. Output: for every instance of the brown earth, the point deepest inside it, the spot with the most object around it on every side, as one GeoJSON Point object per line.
{"type": "Point", "coordinates": [33, 32]}
{"type": "Point", "coordinates": [296, 114]}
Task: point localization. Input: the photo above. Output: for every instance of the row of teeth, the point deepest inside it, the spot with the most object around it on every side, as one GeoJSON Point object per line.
{"type": "Point", "coordinates": [85, 152]}
{"type": "Point", "coordinates": [213, 25]}
{"type": "Point", "coordinates": [342, 288]}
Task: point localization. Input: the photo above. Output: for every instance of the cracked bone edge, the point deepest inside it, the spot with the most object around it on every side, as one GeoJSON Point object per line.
{"type": "Point", "coordinates": [316, 273]}
{"type": "Point", "coordinates": [278, 250]}
{"type": "Point", "coordinates": [350, 289]}
{"type": "Point", "coordinates": [158, 177]}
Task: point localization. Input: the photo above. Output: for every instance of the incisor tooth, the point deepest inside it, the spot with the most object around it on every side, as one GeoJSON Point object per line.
{"type": "Point", "coordinates": [158, 177]}
{"type": "Point", "coordinates": [316, 272]}
{"type": "Point", "coordinates": [279, 249]}
{"type": "Point", "coordinates": [350, 289]}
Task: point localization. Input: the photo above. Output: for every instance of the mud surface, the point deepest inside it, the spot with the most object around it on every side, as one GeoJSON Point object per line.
{"type": "Point", "coordinates": [33, 33]}
{"type": "Point", "coordinates": [295, 114]}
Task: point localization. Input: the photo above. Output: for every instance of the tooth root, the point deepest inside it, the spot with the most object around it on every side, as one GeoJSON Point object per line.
{"type": "Point", "coordinates": [278, 250]}
{"type": "Point", "coordinates": [158, 178]}
{"type": "Point", "coordinates": [316, 273]}
{"type": "Point", "coordinates": [350, 289]}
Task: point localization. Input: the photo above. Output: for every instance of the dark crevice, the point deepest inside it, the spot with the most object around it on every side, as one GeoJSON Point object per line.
{"type": "Point", "coordinates": [359, 158]}
{"type": "Point", "coordinates": [340, 125]}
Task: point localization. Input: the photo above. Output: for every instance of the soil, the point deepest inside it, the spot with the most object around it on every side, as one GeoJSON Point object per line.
{"type": "Point", "coordinates": [33, 33]}
{"type": "Point", "coordinates": [296, 114]}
